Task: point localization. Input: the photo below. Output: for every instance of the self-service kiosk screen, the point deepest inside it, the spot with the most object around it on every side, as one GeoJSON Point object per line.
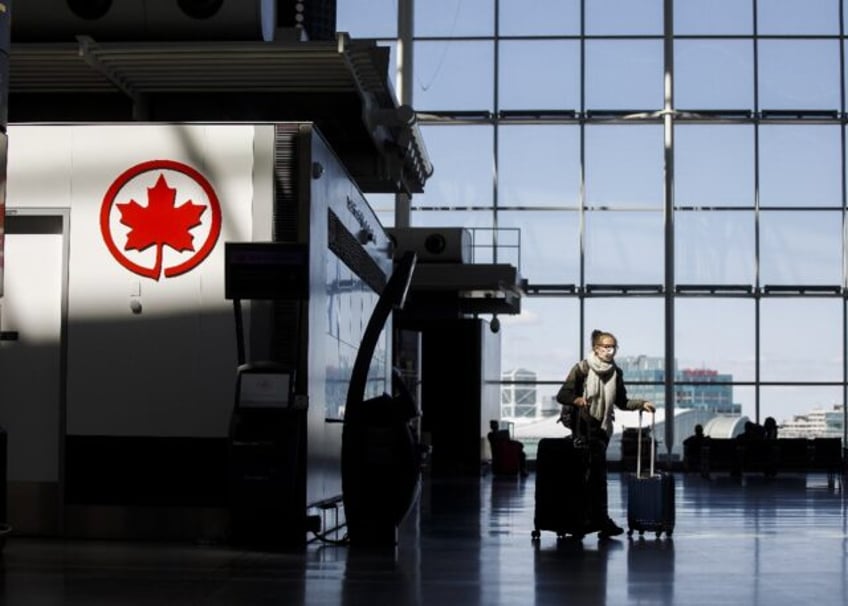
{"type": "Point", "coordinates": [264, 389]}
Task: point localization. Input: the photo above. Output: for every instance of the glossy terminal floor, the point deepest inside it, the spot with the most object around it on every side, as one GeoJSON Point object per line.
{"type": "Point", "coordinates": [468, 543]}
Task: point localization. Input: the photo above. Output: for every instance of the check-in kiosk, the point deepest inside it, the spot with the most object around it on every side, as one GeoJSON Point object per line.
{"type": "Point", "coordinates": [380, 452]}
{"type": "Point", "coordinates": [267, 434]}
{"type": "Point", "coordinates": [265, 449]}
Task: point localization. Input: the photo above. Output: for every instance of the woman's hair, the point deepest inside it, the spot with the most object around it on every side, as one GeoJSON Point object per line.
{"type": "Point", "coordinates": [597, 335]}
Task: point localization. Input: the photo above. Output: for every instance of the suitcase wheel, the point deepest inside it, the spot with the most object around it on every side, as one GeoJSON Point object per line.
{"type": "Point", "coordinates": [535, 535]}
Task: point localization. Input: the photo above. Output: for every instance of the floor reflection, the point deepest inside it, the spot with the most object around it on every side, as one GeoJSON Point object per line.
{"type": "Point", "coordinates": [468, 541]}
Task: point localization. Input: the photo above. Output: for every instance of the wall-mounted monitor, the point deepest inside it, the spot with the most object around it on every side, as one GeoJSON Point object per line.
{"type": "Point", "coordinates": [264, 387]}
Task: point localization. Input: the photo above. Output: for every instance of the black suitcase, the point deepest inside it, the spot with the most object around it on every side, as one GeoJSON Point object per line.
{"type": "Point", "coordinates": [562, 504]}
{"type": "Point", "coordinates": [650, 497]}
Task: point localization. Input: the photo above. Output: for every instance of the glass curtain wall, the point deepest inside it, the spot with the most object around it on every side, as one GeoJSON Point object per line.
{"type": "Point", "coordinates": [677, 172]}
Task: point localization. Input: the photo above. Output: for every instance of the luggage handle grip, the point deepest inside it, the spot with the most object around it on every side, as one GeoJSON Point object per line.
{"type": "Point", "coordinates": [639, 445]}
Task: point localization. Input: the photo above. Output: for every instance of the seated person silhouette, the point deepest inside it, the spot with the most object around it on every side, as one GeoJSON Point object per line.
{"type": "Point", "coordinates": [770, 428]}
{"type": "Point", "coordinates": [753, 431]}
{"type": "Point", "coordinates": [692, 449]}
{"type": "Point", "coordinates": [752, 453]}
{"type": "Point", "coordinates": [769, 434]}
{"type": "Point", "coordinates": [508, 456]}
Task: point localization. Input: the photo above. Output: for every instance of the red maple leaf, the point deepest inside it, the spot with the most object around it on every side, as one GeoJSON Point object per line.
{"type": "Point", "coordinates": [161, 222]}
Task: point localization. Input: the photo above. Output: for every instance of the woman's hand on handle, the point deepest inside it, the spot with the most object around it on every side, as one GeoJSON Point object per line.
{"type": "Point", "coordinates": [649, 407]}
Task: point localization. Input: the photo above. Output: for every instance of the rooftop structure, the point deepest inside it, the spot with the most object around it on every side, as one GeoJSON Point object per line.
{"type": "Point", "coordinates": [818, 423]}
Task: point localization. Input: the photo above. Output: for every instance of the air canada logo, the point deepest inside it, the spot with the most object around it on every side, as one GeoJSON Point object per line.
{"type": "Point", "coordinates": [160, 217]}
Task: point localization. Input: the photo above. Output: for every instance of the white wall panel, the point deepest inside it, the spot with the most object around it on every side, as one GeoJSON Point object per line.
{"type": "Point", "coordinates": [168, 370]}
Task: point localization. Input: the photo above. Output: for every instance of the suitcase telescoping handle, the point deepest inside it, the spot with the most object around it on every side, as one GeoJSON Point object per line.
{"type": "Point", "coordinates": [639, 445]}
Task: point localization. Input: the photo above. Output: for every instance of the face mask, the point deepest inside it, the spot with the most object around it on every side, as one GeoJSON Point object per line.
{"type": "Point", "coordinates": [607, 350]}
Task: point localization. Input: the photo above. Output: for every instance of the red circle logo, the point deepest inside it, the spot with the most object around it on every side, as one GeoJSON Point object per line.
{"type": "Point", "coordinates": [158, 209]}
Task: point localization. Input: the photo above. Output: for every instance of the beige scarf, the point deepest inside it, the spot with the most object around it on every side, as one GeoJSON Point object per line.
{"type": "Point", "coordinates": [599, 391]}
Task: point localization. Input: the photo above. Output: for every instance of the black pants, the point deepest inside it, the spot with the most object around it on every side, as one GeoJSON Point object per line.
{"type": "Point", "coordinates": [597, 440]}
